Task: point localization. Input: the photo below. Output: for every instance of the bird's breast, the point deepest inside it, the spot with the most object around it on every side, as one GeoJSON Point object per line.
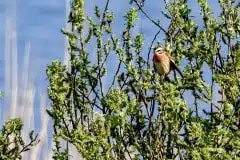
{"type": "Point", "coordinates": [162, 66]}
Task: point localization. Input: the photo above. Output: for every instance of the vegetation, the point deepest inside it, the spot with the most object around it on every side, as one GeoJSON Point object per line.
{"type": "Point", "coordinates": [139, 116]}
{"type": "Point", "coordinates": [131, 112]}
{"type": "Point", "coordinates": [12, 144]}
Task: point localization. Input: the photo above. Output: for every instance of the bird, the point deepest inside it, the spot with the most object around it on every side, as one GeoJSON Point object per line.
{"type": "Point", "coordinates": [163, 62]}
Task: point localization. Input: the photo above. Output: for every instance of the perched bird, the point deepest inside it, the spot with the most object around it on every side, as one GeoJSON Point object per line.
{"type": "Point", "coordinates": [163, 62]}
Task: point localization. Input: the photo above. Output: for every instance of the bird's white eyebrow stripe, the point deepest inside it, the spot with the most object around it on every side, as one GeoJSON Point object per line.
{"type": "Point", "coordinates": [159, 49]}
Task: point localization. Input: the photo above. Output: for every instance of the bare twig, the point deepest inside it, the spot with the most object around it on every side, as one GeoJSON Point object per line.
{"type": "Point", "coordinates": [148, 17]}
{"type": "Point", "coordinates": [149, 51]}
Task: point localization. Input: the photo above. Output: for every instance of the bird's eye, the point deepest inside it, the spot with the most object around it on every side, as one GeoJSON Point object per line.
{"type": "Point", "coordinates": [159, 52]}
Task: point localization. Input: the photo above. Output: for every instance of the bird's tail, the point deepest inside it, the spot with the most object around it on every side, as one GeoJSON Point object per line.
{"type": "Point", "coordinates": [166, 78]}
{"type": "Point", "coordinates": [179, 71]}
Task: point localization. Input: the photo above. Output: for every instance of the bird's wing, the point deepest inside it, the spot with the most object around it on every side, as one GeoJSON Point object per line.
{"type": "Point", "coordinates": [173, 66]}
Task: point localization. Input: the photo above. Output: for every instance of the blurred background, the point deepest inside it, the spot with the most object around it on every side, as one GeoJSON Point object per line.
{"type": "Point", "coordinates": [30, 39]}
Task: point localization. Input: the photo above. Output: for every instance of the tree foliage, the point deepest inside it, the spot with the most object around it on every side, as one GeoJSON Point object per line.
{"type": "Point", "coordinates": [133, 114]}
{"type": "Point", "coordinates": [12, 144]}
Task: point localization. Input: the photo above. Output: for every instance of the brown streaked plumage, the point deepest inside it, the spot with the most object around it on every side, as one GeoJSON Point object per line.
{"type": "Point", "coordinates": [163, 62]}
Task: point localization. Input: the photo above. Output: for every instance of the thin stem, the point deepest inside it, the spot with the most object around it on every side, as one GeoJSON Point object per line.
{"type": "Point", "coordinates": [149, 51]}
{"type": "Point", "coordinates": [148, 17]}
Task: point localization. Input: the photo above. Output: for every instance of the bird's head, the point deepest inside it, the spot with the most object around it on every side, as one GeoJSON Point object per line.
{"type": "Point", "coordinates": [158, 49]}
{"type": "Point", "coordinates": [158, 52]}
